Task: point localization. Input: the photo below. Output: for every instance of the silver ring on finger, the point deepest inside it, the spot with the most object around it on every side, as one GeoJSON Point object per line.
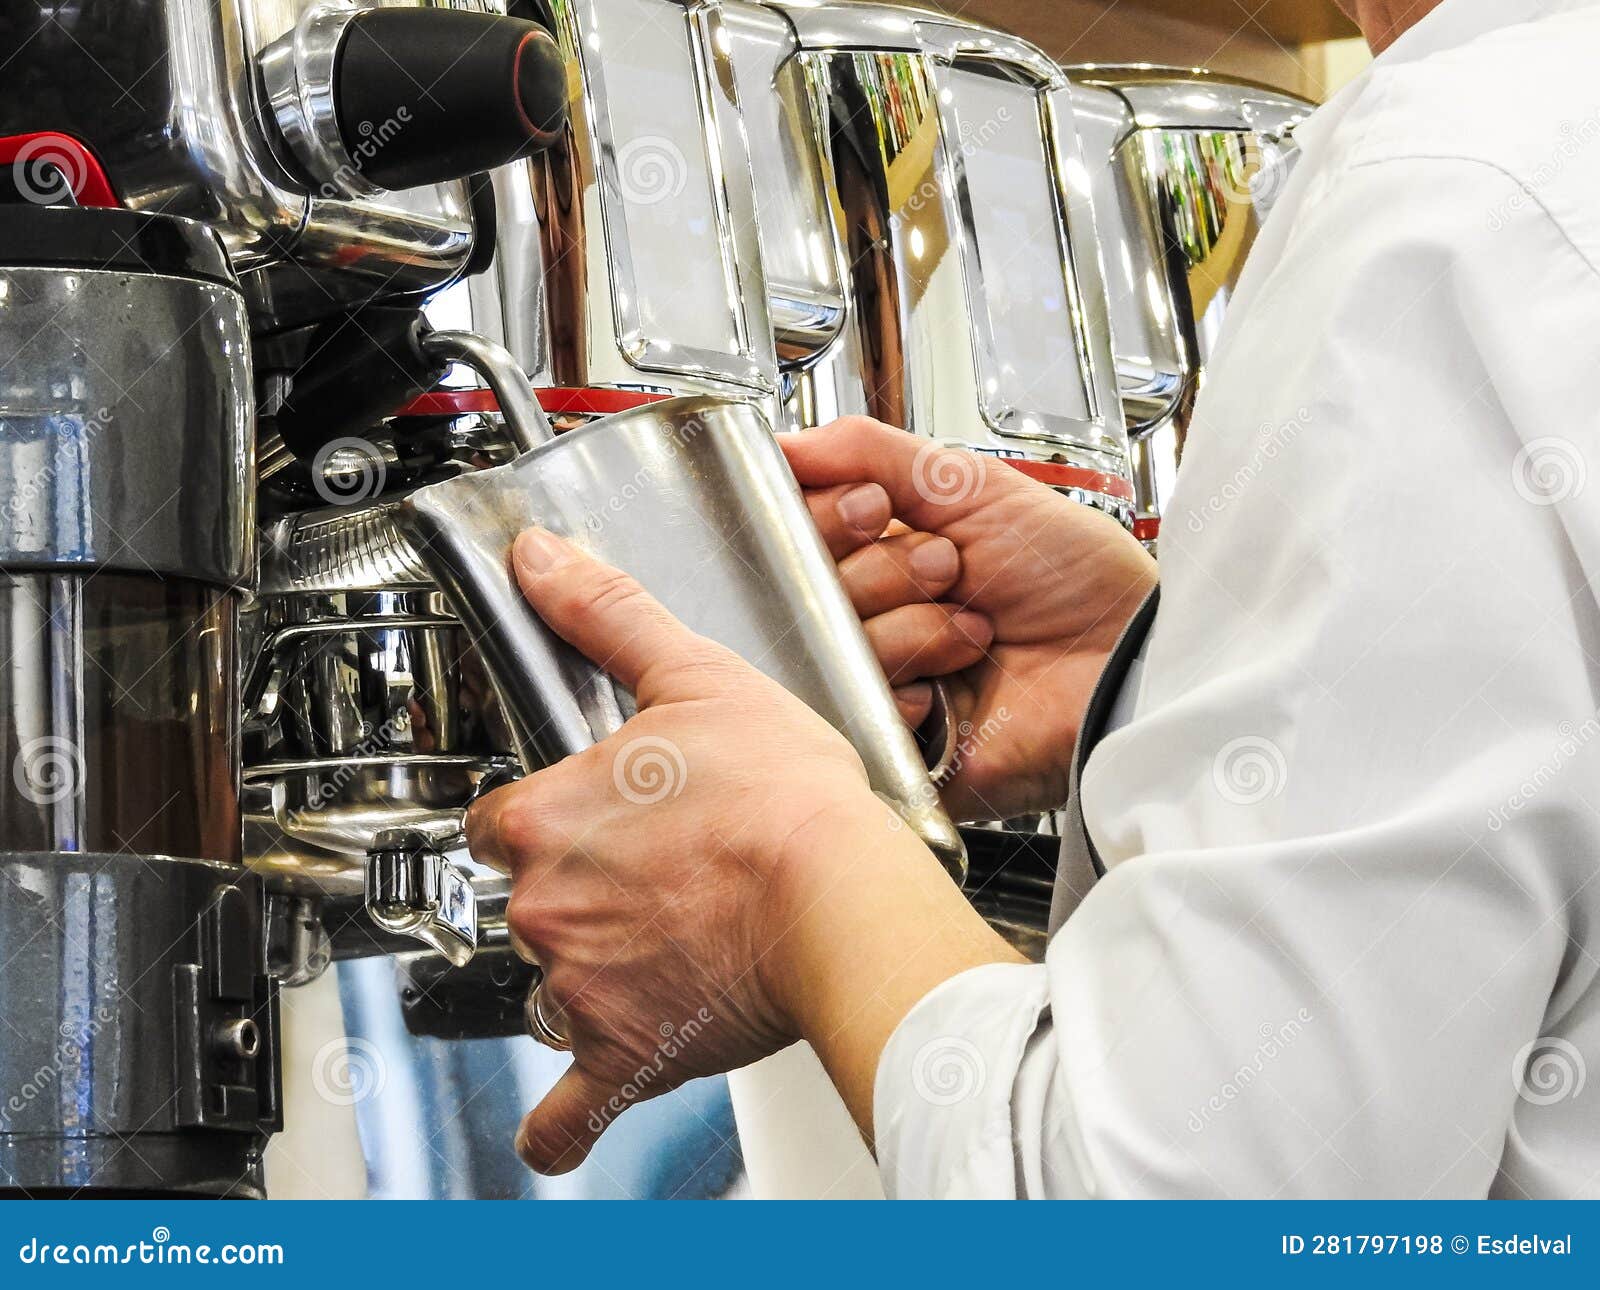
{"type": "Point", "coordinates": [539, 1025]}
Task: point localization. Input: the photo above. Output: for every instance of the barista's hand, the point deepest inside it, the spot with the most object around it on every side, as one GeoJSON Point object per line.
{"type": "Point", "coordinates": [964, 568]}
{"type": "Point", "coordinates": [696, 887]}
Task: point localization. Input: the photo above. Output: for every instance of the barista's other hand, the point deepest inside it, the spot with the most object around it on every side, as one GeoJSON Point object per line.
{"type": "Point", "coordinates": [655, 872]}
{"type": "Point", "coordinates": [964, 568]}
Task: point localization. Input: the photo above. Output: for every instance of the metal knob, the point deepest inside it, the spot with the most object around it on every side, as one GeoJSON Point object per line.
{"type": "Point", "coordinates": [374, 98]}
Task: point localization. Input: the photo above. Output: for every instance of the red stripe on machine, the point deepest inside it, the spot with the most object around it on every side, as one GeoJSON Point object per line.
{"type": "Point", "coordinates": [1059, 475]}
{"type": "Point", "coordinates": [558, 400]}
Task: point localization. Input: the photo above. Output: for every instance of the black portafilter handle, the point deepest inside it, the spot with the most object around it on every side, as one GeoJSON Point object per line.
{"type": "Point", "coordinates": [359, 369]}
{"type": "Point", "coordinates": [425, 96]}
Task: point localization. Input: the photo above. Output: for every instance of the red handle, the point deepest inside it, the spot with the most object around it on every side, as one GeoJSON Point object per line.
{"type": "Point", "coordinates": [72, 157]}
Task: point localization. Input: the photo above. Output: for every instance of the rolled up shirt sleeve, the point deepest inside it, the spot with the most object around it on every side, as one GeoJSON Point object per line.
{"type": "Point", "coordinates": [946, 1083]}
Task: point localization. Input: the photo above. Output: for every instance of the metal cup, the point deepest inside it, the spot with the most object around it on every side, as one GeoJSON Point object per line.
{"type": "Point", "coordinates": [694, 498]}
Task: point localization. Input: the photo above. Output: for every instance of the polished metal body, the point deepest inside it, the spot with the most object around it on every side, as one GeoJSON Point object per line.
{"type": "Point", "coordinates": [373, 723]}
{"type": "Point", "coordinates": [694, 498]}
{"type": "Point", "coordinates": [652, 276]}
{"type": "Point", "coordinates": [369, 708]}
{"type": "Point", "coordinates": [110, 382]}
{"type": "Point", "coordinates": [976, 292]}
{"type": "Point", "coordinates": [297, 72]}
{"type": "Point", "coordinates": [1184, 166]}
{"type": "Point", "coordinates": [142, 1054]}
{"type": "Point", "coordinates": [798, 214]}
{"type": "Point", "coordinates": [119, 725]}
{"type": "Point", "coordinates": [189, 138]}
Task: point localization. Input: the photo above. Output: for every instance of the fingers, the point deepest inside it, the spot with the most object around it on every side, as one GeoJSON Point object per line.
{"type": "Point", "coordinates": [536, 821]}
{"type": "Point", "coordinates": [899, 571]}
{"type": "Point", "coordinates": [613, 621]}
{"type": "Point", "coordinates": [919, 641]}
{"type": "Point", "coordinates": [849, 515]}
{"type": "Point", "coordinates": [501, 831]}
{"type": "Point", "coordinates": [558, 1134]}
{"type": "Point", "coordinates": [929, 486]}
{"type": "Point", "coordinates": [915, 702]}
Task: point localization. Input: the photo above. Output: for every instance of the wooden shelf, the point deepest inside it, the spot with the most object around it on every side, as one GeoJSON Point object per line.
{"type": "Point", "coordinates": [1291, 22]}
{"type": "Point", "coordinates": [1288, 22]}
{"type": "Point", "coordinates": [1261, 40]}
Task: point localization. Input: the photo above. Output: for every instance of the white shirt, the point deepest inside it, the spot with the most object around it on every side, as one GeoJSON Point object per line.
{"type": "Point", "coordinates": [1347, 940]}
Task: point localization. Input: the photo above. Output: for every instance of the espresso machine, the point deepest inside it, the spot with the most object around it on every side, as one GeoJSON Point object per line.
{"type": "Point", "coordinates": [278, 279]}
{"type": "Point", "coordinates": [206, 201]}
{"type": "Point", "coordinates": [1184, 165]}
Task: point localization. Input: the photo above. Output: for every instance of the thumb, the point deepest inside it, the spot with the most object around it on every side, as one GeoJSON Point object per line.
{"type": "Point", "coordinates": [558, 1134]}
{"type": "Point", "coordinates": [611, 619]}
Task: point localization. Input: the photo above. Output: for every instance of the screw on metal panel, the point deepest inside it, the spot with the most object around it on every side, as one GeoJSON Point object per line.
{"type": "Point", "coordinates": [238, 1037]}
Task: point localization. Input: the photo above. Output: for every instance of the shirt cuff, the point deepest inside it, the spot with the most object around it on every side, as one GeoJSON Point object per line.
{"type": "Point", "coordinates": [942, 1097]}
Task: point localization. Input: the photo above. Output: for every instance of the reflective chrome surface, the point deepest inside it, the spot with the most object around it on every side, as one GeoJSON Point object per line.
{"type": "Point", "coordinates": [796, 206]}
{"type": "Point", "coordinates": [369, 709]}
{"type": "Point", "coordinates": [141, 1054]}
{"type": "Point", "coordinates": [647, 210]}
{"type": "Point", "coordinates": [694, 498]}
{"type": "Point", "coordinates": [119, 716]}
{"type": "Point", "coordinates": [1184, 166]}
{"type": "Point", "coordinates": [976, 289]}
{"type": "Point", "coordinates": [190, 138]}
{"type": "Point", "coordinates": [297, 71]}
{"type": "Point", "coordinates": [141, 1049]}
{"type": "Point", "coordinates": [524, 419]}
{"type": "Point", "coordinates": [412, 890]}
{"type": "Point", "coordinates": [125, 424]}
